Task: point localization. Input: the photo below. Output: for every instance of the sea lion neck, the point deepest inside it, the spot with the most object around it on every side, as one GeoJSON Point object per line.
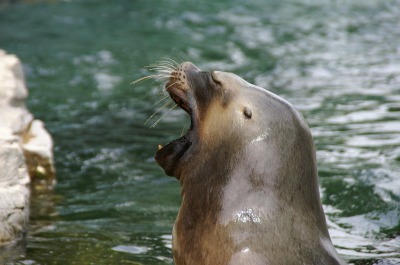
{"type": "Point", "coordinates": [203, 180]}
{"type": "Point", "coordinates": [203, 167]}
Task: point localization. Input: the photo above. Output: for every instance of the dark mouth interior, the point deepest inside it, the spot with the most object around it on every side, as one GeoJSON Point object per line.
{"type": "Point", "coordinates": [180, 102]}
{"type": "Point", "coordinates": [183, 105]}
{"type": "Point", "coordinates": [169, 156]}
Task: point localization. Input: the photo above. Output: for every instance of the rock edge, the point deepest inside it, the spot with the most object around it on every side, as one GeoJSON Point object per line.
{"type": "Point", "coordinates": [26, 151]}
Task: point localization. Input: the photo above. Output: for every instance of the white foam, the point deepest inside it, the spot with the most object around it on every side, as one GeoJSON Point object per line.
{"type": "Point", "coordinates": [132, 249]}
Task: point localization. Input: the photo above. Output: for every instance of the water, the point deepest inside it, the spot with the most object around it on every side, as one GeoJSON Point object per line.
{"type": "Point", "coordinates": [338, 62]}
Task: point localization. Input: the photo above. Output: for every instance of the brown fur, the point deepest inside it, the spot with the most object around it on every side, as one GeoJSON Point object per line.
{"type": "Point", "coordinates": [249, 181]}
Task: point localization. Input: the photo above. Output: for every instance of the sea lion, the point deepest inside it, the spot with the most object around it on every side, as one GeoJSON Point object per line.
{"type": "Point", "coordinates": [248, 173]}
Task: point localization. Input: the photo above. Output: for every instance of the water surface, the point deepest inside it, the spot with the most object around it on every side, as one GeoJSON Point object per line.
{"type": "Point", "coordinates": [338, 62]}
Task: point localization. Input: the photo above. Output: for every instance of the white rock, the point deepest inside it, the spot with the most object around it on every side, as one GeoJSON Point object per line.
{"type": "Point", "coordinates": [14, 191]}
{"type": "Point", "coordinates": [38, 149]}
{"type": "Point", "coordinates": [25, 150]}
{"type": "Point", "coordinates": [13, 93]}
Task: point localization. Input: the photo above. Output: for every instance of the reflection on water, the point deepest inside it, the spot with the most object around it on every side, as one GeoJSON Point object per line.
{"type": "Point", "coordinates": [336, 61]}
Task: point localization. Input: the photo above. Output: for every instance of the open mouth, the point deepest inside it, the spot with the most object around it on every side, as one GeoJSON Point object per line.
{"type": "Point", "coordinates": [180, 101]}
{"type": "Point", "coordinates": [169, 156]}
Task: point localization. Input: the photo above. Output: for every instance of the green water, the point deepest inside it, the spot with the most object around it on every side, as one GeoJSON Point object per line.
{"type": "Point", "coordinates": [338, 62]}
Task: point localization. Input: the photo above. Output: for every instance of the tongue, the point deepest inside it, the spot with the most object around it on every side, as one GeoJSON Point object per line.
{"type": "Point", "coordinates": [168, 156]}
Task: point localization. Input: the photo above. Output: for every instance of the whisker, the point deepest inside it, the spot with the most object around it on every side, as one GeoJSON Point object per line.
{"type": "Point", "coordinates": [162, 99]}
{"type": "Point", "coordinates": [171, 85]}
{"type": "Point", "coordinates": [144, 78]}
{"type": "Point", "coordinates": [183, 129]}
{"type": "Point", "coordinates": [156, 77]}
{"type": "Point", "coordinates": [166, 64]}
{"type": "Point", "coordinates": [171, 61]}
{"type": "Point", "coordinates": [161, 92]}
{"type": "Point", "coordinates": [180, 59]}
{"type": "Point", "coordinates": [159, 64]}
{"type": "Point", "coordinates": [160, 108]}
{"type": "Point", "coordinates": [162, 66]}
{"type": "Point", "coordinates": [155, 124]}
{"type": "Point", "coordinates": [162, 71]}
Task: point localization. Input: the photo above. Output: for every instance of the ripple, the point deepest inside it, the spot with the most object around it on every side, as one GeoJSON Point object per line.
{"type": "Point", "coordinates": [132, 249]}
{"type": "Point", "coordinates": [359, 116]}
{"type": "Point", "coordinates": [352, 243]}
{"type": "Point", "coordinates": [167, 241]}
{"type": "Point", "coordinates": [381, 140]}
{"type": "Point", "coordinates": [106, 81]}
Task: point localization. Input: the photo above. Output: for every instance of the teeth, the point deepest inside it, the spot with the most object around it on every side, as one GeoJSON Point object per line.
{"type": "Point", "coordinates": [160, 147]}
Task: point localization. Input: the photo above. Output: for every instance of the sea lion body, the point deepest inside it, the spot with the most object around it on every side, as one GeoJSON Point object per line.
{"type": "Point", "coordinates": [248, 174]}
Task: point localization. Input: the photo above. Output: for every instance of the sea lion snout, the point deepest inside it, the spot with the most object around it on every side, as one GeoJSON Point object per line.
{"type": "Point", "coordinates": [183, 81]}
{"type": "Point", "coordinates": [189, 67]}
{"type": "Point", "coordinates": [181, 75]}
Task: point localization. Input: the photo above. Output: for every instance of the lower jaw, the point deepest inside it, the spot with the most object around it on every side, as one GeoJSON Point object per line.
{"type": "Point", "coordinates": [170, 155]}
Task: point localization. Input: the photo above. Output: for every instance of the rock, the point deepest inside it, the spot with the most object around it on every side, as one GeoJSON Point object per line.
{"type": "Point", "coordinates": [25, 151]}
{"type": "Point", "coordinates": [14, 189]}
{"type": "Point", "coordinates": [38, 151]}
{"type": "Point", "coordinates": [13, 94]}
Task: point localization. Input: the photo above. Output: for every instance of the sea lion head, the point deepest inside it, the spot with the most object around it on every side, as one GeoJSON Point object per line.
{"type": "Point", "coordinates": [226, 111]}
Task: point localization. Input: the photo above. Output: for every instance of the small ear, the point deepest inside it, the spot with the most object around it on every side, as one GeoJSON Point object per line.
{"type": "Point", "coordinates": [247, 112]}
